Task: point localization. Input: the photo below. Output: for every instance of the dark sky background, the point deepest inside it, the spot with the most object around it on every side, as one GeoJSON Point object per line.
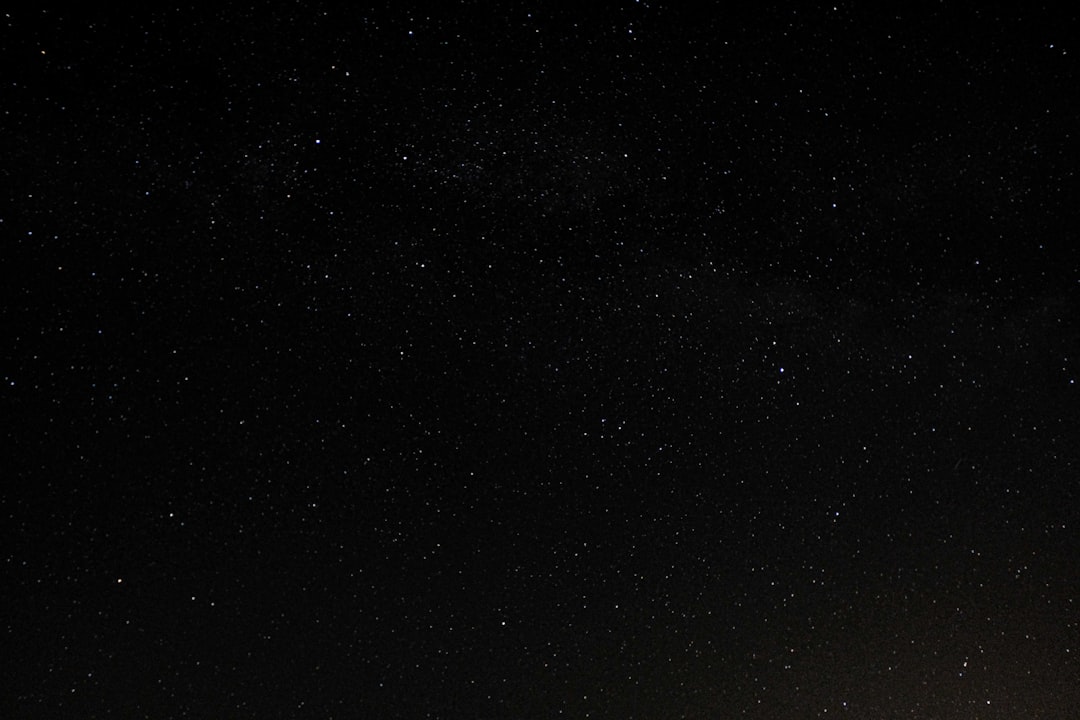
{"type": "Point", "coordinates": [512, 361]}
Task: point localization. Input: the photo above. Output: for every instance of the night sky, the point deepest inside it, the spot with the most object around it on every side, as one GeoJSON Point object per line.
{"type": "Point", "coordinates": [516, 360]}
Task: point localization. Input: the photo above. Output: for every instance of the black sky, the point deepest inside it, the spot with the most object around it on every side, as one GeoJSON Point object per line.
{"type": "Point", "coordinates": [507, 360]}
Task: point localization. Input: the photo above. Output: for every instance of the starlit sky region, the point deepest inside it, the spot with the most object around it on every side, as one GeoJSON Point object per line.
{"type": "Point", "coordinates": [513, 360]}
